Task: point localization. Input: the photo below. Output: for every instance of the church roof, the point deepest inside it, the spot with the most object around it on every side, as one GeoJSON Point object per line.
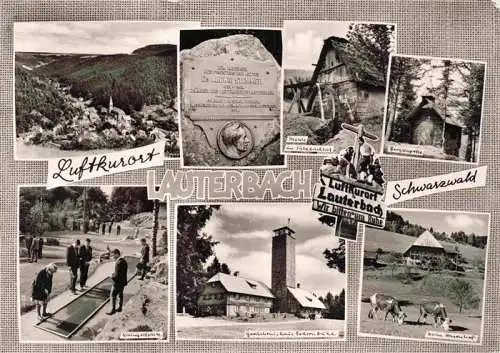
{"type": "Point", "coordinates": [426, 239]}
{"type": "Point", "coordinates": [242, 285]}
{"type": "Point", "coordinates": [361, 70]}
{"type": "Point", "coordinates": [306, 299]}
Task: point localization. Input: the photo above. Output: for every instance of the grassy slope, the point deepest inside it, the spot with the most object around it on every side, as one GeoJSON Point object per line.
{"type": "Point", "coordinates": [424, 286]}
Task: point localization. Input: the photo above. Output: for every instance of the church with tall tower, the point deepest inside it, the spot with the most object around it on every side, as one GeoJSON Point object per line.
{"type": "Point", "coordinates": [231, 295]}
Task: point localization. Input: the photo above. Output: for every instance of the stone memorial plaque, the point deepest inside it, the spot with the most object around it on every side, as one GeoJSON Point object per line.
{"type": "Point", "coordinates": [234, 99]}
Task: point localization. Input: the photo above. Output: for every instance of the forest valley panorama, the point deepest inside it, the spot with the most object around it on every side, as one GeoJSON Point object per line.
{"type": "Point", "coordinates": [88, 102]}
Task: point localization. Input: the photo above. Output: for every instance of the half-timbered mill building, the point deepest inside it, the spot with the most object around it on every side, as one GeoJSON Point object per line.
{"type": "Point", "coordinates": [347, 82]}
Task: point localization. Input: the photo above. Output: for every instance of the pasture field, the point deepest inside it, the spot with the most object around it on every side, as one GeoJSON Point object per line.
{"type": "Point", "coordinates": [411, 289]}
{"type": "Point", "coordinates": [412, 286]}
{"type": "Point", "coordinates": [466, 324]}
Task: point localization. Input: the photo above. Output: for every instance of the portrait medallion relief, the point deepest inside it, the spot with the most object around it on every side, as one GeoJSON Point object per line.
{"type": "Point", "coordinates": [235, 140]}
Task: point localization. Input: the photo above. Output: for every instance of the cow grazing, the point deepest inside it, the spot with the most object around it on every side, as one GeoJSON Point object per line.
{"type": "Point", "coordinates": [438, 311]}
{"type": "Point", "coordinates": [389, 305]}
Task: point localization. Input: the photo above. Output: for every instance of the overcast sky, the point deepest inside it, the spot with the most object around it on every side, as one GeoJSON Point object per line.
{"type": "Point", "coordinates": [304, 40]}
{"type": "Point", "coordinates": [448, 221]}
{"type": "Point", "coordinates": [94, 37]}
{"type": "Point", "coordinates": [244, 231]}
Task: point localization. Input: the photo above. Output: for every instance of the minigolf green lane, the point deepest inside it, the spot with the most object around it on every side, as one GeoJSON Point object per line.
{"type": "Point", "coordinates": [68, 319]}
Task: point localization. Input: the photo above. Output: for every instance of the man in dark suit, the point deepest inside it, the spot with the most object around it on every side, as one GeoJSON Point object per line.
{"type": "Point", "coordinates": [35, 248]}
{"type": "Point", "coordinates": [143, 262]}
{"type": "Point", "coordinates": [119, 278]}
{"type": "Point", "coordinates": [85, 258]}
{"type": "Point", "coordinates": [40, 248]}
{"type": "Point", "coordinates": [73, 262]}
{"type": "Point", "coordinates": [28, 241]}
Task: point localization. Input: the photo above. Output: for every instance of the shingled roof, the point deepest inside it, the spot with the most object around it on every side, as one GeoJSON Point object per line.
{"type": "Point", "coordinates": [306, 299]}
{"type": "Point", "coordinates": [362, 71]}
{"type": "Point", "coordinates": [427, 240]}
{"type": "Point", "coordinates": [241, 285]}
{"type": "Point", "coordinates": [428, 103]}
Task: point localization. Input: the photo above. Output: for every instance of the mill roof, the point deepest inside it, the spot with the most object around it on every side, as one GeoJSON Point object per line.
{"type": "Point", "coordinates": [306, 299]}
{"type": "Point", "coordinates": [362, 70]}
{"type": "Point", "coordinates": [242, 285]}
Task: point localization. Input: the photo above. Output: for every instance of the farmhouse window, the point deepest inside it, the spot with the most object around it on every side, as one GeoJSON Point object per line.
{"type": "Point", "coordinates": [251, 285]}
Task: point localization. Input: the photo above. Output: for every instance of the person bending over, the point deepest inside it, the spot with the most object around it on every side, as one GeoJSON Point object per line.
{"type": "Point", "coordinates": [41, 288]}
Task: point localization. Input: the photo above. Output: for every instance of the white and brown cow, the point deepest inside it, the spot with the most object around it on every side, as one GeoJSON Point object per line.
{"type": "Point", "coordinates": [438, 311]}
{"type": "Point", "coordinates": [382, 302]}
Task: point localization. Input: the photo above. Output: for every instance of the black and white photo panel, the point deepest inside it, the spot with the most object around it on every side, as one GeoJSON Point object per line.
{"type": "Point", "coordinates": [424, 276]}
{"type": "Point", "coordinates": [244, 274]}
{"type": "Point", "coordinates": [334, 84]}
{"type": "Point", "coordinates": [231, 85]}
{"type": "Point", "coordinates": [92, 264]}
{"type": "Point", "coordinates": [434, 108]}
{"type": "Point", "coordinates": [95, 87]}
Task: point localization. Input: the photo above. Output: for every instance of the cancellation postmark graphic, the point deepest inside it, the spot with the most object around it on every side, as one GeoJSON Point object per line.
{"type": "Point", "coordinates": [235, 140]}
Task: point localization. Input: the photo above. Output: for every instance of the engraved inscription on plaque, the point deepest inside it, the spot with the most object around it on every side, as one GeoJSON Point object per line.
{"type": "Point", "coordinates": [231, 86]}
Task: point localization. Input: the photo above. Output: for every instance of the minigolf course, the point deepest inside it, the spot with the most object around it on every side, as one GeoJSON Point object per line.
{"type": "Point", "coordinates": [68, 319]}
